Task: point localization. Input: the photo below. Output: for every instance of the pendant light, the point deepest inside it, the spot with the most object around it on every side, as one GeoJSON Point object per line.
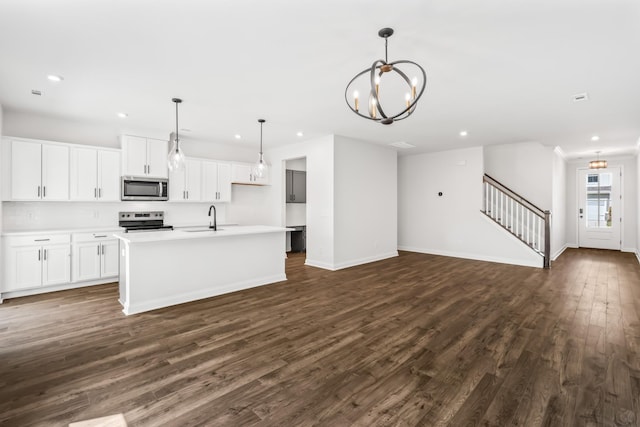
{"type": "Point", "coordinates": [261, 168]}
{"type": "Point", "coordinates": [175, 159]}
{"type": "Point", "coordinates": [598, 164]}
{"type": "Point", "coordinates": [371, 79]}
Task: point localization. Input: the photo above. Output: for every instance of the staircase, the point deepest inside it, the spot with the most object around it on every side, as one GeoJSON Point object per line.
{"type": "Point", "coordinates": [518, 216]}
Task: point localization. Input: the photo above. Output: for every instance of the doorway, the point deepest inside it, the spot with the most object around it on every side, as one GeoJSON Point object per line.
{"type": "Point", "coordinates": [296, 204]}
{"type": "Point", "coordinates": [599, 208]}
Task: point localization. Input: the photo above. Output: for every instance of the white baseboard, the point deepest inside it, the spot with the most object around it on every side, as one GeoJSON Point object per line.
{"type": "Point", "coordinates": [638, 256]}
{"type": "Point", "coordinates": [477, 257]}
{"type": "Point", "coordinates": [352, 263]}
{"type": "Point", "coordinates": [633, 250]}
{"type": "Point", "coordinates": [56, 288]}
{"type": "Point", "coordinates": [200, 294]}
{"type": "Point", "coordinates": [559, 252]}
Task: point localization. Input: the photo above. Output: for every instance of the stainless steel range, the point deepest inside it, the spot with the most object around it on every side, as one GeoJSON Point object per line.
{"type": "Point", "coordinates": [143, 221]}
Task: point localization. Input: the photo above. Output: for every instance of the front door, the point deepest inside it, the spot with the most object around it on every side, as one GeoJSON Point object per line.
{"type": "Point", "coordinates": [599, 208]}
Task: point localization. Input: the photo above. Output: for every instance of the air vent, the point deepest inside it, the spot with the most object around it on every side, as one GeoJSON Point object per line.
{"type": "Point", "coordinates": [401, 144]}
{"type": "Point", "coordinates": [580, 97]}
{"type": "Point", "coordinates": [36, 92]}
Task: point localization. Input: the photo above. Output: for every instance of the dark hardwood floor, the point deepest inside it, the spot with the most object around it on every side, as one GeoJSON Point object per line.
{"type": "Point", "coordinates": [414, 340]}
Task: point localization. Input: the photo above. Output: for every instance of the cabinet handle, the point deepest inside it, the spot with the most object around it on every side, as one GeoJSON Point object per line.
{"type": "Point", "coordinates": [98, 249]}
{"type": "Point", "coordinates": [187, 194]}
{"type": "Point", "coordinates": [38, 254]}
{"type": "Point", "coordinates": [148, 168]}
{"type": "Point", "coordinates": [100, 235]}
{"type": "Point", "coordinates": [41, 240]}
{"type": "Point", "coordinates": [95, 192]}
{"type": "Point", "coordinates": [99, 193]}
{"type": "Point", "coordinates": [44, 191]}
{"type": "Point", "coordinates": [145, 169]}
{"type": "Point", "coordinates": [45, 254]}
{"type": "Point", "coordinates": [102, 249]}
{"type": "Point", "coordinates": [38, 191]}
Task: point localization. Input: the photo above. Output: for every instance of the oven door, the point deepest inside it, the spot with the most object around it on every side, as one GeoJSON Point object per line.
{"type": "Point", "coordinates": [134, 188]}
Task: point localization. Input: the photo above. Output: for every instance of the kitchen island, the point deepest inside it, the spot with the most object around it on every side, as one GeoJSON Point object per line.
{"type": "Point", "coordinates": [163, 268]}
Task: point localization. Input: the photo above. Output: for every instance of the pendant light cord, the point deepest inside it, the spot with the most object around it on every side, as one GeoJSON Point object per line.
{"type": "Point", "coordinates": [261, 138]}
{"type": "Point", "coordinates": [177, 139]}
{"type": "Point", "coordinates": [386, 55]}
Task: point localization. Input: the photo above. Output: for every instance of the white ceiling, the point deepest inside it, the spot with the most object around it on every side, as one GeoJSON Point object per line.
{"type": "Point", "coordinates": [505, 71]}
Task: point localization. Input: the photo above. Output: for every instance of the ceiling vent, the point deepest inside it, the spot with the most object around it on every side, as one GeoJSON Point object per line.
{"type": "Point", "coordinates": [580, 97]}
{"type": "Point", "coordinates": [401, 144]}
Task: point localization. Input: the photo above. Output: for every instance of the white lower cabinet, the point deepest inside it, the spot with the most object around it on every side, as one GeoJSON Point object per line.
{"type": "Point", "coordinates": [95, 256]}
{"type": "Point", "coordinates": [36, 261]}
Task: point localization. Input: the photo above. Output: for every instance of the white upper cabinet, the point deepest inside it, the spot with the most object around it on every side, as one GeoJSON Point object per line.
{"type": "Point", "coordinates": [216, 182]}
{"type": "Point", "coordinates": [242, 173]}
{"type": "Point", "coordinates": [185, 184]}
{"type": "Point", "coordinates": [39, 171]}
{"type": "Point", "coordinates": [144, 157]}
{"type": "Point", "coordinates": [95, 174]}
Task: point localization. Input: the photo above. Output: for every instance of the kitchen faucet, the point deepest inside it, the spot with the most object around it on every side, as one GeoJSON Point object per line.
{"type": "Point", "coordinates": [213, 226]}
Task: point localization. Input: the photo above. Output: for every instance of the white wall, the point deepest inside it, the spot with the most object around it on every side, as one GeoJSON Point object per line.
{"type": "Point", "coordinates": [629, 200]}
{"type": "Point", "coordinates": [1, 204]}
{"type": "Point", "coordinates": [558, 205]}
{"type": "Point", "coordinates": [638, 204]}
{"type": "Point", "coordinates": [30, 216]}
{"type": "Point", "coordinates": [365, 203]}
{"type": "Point", "coordinates": [452, 224]}
{"type": "Point", "coordinates": [320, 182]}
{"type": "Point", "coordinates": [526, 168]}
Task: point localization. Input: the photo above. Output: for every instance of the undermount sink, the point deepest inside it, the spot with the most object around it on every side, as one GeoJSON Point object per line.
{"type": "Point", "coordinates": [201, 230]}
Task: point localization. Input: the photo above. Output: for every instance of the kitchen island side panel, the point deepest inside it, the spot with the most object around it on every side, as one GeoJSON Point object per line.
{"type": "Point", "coordinates": [164, 273]}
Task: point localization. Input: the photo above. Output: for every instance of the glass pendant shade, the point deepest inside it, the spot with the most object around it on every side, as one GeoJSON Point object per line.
{"type": "Point", "coordinates": [175, 159]}
{"type": "Point", "coordinates": [260, 169]}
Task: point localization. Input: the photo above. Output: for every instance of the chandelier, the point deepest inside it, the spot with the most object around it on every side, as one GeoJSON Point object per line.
{"type": "Point", "coordinates": [598, 164]}
{"type": "Point", "coordinates": [406, 104]}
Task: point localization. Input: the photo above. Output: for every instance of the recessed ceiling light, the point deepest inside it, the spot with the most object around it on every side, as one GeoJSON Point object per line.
{"type": "Point", "coordinates": [237, 136]}
{"type": "Point", "coordinates": [463, 133]}
{"type": "Point", "coordinates": [300, 134]}
{"type": "Point", "coordinates": [55, 78]}
{"type": "Point", "coordinates": [122, 115]}
{"type": "Point", "coordinates": [595, 138]}
{"type": "Point", "coordinates": [36, 92]}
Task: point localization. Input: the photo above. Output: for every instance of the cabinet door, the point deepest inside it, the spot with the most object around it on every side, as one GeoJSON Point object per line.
{"type": "Point", "coordinates": [55, 172]}
{"type": "Point", "coordinates": [299, 186]}
{"type": "Point", "coordinates": [83, 174]}
{"type": "Point", "coordinates": [134, 156]}
{"type": "Point", "coordinates": [56, 264]}
{"type": "Point", "coordinates": [177, 186]}
{"type": "Point", "coordinates": [224, 182]}
{"type": "Point", "coordinates": [242, 173]}
{"type": "Point", "coordinates": [24, 268]}
{"type": "Point", "coordinates": [194, 178]}
{"type": "Point", "coordinates": [86, 261]}
{"type": "Point", "coordinates": [26, 172]}
{"type": "Point", "coordinates": [157, 151]}
{"type": "Point", "coordinates": [109, 262]}
{"type": "Point", "coordinates": [289, 191]}
{"type": "Point", "coordinates": [108, 176]}
{"type": "Point", "coordinates": [209, 182]}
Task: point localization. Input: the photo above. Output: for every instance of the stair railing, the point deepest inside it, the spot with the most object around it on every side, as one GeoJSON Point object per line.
{"type": "Point", "coordinates": [518, 216]}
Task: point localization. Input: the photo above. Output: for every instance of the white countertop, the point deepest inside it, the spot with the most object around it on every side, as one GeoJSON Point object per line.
{"type": "Point", "coordinates": [184, 234]}
{"type": "Point", "coordinates": [63, 231]}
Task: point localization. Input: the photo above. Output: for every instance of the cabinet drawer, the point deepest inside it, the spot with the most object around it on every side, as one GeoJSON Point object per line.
{"type": "Point", "coordinates": [91, 237]}
{"type": "Point", "coordinates": [44, 239]}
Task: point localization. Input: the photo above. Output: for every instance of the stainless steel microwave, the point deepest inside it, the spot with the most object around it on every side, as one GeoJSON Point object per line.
{"type": "Point", "coordinates": [142, 188]}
